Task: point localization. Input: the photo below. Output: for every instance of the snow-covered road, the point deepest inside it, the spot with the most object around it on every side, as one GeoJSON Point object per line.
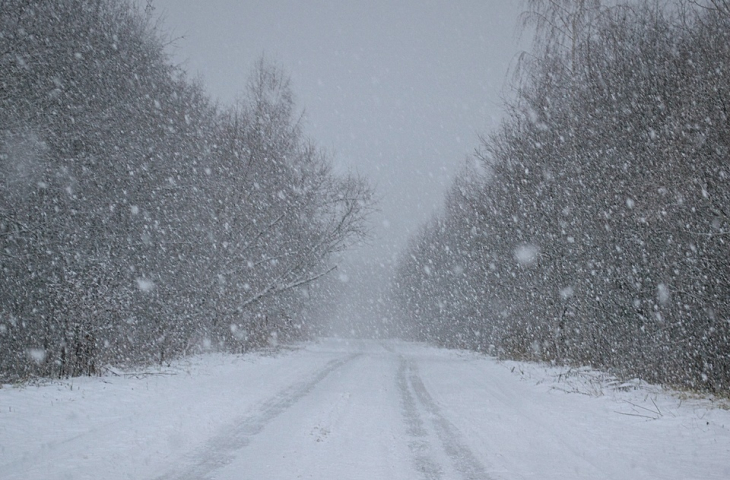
{"type": "Point", "coordinates": [350, 409]}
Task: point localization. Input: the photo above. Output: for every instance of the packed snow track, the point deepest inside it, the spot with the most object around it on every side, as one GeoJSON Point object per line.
{"type": "Point", "coordinates": [351, 409]}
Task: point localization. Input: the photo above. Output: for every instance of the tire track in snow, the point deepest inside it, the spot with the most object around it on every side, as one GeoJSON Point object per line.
{"type": "Point", "coordinates": [418, 444]}
{"type": "Point", "coordinates": [463, 459]}
{"type": "Point", "coordinates": [221, 449]}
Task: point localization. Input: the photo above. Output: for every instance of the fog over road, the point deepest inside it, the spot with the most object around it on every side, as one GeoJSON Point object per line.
{"type": "Point", "coordinates": [357, 409]}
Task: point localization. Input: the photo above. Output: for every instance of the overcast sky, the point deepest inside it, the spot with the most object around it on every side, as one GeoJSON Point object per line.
{"type": "Point", "coordinates": [397, 91]}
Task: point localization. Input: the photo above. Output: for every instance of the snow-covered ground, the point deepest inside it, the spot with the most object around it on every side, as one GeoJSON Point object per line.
{"type": "Point", "coordinates": [359, 409]}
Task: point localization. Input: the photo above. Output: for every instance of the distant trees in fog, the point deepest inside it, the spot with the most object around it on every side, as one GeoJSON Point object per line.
{"type": "Point", "coordinates": [138, 221]}
{"type": "Point", "coordinates": [594, 227]}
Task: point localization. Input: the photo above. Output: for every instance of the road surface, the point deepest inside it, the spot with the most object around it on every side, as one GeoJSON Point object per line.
{"type": "Point", "coordinates": [355, 409]}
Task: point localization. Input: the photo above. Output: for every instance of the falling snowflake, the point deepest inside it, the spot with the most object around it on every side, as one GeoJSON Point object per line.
{"type": "Point", "coordinates": [526, 255]}
{"type": "Point", "coordinates": [662, 294]}
{"type": "Point", "coordinates": [145, 284]}
{"type": "Point", "coordinates": [38, 355]}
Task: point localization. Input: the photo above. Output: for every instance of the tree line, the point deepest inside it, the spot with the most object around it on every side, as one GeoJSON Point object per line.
{"type": "Point", "coordinates": [593, 227]}
{"type": "Point", "coordinates": [140, 221]}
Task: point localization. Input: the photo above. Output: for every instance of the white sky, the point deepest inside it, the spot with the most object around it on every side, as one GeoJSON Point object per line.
{"type": "Point", "coordinates": [396, 90]}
